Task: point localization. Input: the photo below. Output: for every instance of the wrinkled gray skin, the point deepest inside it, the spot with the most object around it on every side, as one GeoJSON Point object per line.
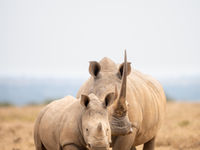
{"type": "Point", "coordinates": [71, 124]}
{"type": "Point", "coordinates": [145, 98]}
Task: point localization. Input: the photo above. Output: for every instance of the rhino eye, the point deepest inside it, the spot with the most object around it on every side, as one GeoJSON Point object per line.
{"type": "Point", "coordinates": [87, 131]}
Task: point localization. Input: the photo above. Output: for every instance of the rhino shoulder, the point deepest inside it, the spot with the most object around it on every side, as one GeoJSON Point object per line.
{"type": "Point", "coordinates": [70, 123]}
{"type": "Point", "coordinates": [84, 88]}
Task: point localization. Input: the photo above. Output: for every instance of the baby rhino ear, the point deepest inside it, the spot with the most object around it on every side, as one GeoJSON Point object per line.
{"type": "Point", "coordinates": [109, 99]}
{"type": "Point", "coordinates": [84, 100]}
{"type": "Point", "coordinates": [94, 68]}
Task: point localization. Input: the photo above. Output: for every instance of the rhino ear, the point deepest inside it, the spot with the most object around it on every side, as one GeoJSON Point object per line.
{"type": "Point", "coordinates": [121, 68]}
{"type": "Point", "coordinates": [109, 99]}
{"type": "Point", "coordinates": [84, 100]}
{"type": "Point", "coordinates": [94, 68]}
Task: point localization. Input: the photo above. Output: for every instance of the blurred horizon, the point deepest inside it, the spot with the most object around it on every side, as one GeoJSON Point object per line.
{"type": "Point", "coordinates": [22, 91]}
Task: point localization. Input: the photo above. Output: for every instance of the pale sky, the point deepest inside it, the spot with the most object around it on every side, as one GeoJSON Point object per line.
{"type": "Point", "coordinates": [58, 38]}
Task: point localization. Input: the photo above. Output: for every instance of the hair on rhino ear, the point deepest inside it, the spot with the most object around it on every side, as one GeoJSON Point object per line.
{"type": "Point", "coordinates": [94, 68]}
{"type": "Point", "coordinates": [121, 69]}
{"type": "Point", "coordinates": [109, 99]}
{"type": "Point", "coordinates": [84, 100]}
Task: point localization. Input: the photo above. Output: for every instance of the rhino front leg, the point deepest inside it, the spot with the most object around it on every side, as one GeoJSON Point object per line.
{"type": "Point", "coordinates": [70, 147]}
{"type": "Point", "coordinates": [124, 142]}
{"type": "Point", "coordinates": [133, 148]}
{"type": "Point", "coordinates": [149, 145]}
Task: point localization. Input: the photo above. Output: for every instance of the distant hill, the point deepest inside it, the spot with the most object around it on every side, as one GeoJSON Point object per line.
{"type": "Point", "coordinates": [22, 91]}
{"type": "Point", "coordinates": [183, 88]}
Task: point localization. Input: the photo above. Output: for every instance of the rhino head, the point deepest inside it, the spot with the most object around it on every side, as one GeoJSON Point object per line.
{"type": "Point", "coordinates": [94, 121]}
{"type": "Point", "coordinates": [105, 76]}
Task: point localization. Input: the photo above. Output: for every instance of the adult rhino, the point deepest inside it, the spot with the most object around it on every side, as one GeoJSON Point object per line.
{"type": "Point", "coordinates": [71, 124]}
{"type": "Point", "coordinates": [143, 94]}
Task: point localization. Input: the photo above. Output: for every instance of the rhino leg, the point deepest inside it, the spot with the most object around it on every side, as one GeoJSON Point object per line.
{"type": "Point", "coordinates": [133, 148]}
{"type": "Point", "coordinates": [38, 144]}
{"type": "Point", "coordinates": [40, 147]}
{"type": "Point", "coordinates": [149, 145]}
{"type": "Point", "coordinates": [43, 148]}
{"type": "Point", "coordinates": [70, 147]}
{"type": "Point", "coordinates": [124, 142]}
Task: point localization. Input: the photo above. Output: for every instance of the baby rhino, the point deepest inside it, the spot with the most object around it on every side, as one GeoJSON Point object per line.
{"type": "Point", "coordinates": [71, 124]}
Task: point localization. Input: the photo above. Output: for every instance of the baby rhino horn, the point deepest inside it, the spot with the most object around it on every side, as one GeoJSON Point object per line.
{"type": "Point", "coordinates": [99, 128]}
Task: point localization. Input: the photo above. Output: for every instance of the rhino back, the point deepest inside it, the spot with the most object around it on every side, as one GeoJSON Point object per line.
{"type": "Point", "coordinates": [147, 105]}
{"type": "Point", "coordinates": [84, 89]}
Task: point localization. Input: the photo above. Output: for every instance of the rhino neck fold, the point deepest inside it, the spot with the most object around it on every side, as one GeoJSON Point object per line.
{"type": "Point", "coordinates": [120, 125]}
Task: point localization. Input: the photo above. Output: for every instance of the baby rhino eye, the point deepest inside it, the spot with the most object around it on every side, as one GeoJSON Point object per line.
{"type": "Point", "coordinates": [87, 131]}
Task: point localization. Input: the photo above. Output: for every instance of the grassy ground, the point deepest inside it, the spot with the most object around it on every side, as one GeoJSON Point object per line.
{"type": "Point", "coordinates": [180, 131]}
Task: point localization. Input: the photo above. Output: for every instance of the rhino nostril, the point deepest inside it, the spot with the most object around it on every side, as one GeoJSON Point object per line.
{"type": "Point", "coordinates": [131, 130]}
{"type": "Point", "coordinates": [88, 146]}
{"type": "Point", "coordinates": [110, 144]}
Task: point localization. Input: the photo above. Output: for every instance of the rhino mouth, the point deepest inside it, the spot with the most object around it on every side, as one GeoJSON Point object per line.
{"type": "Point", "coordinates": [90, 147]}
{"type": "Point", "coordinates": [100, 148]}
{"type": "Point", "coordinates": [121, 125]}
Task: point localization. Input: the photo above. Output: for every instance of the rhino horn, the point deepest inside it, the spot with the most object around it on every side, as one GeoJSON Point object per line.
{"type": "Point", "coordinates": [116, 92]}
{"type": "Point", "coordinates": [121, 105]}
{"type": "Point", "coordinates": [99, 128]}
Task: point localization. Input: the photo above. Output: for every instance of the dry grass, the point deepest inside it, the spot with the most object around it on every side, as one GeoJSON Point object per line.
{"type": "Point", "coordinates": [180, 131]}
